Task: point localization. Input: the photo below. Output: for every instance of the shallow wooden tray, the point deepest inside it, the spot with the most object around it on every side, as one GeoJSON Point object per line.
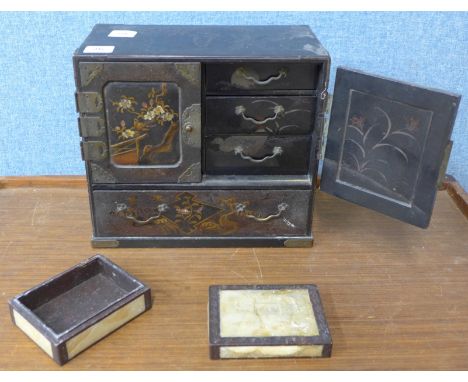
{"type": "Point", "coordinates": [73, 310]}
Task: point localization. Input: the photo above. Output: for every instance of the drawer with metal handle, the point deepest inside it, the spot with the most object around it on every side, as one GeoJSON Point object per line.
{"type": "Point", "coordinates": [205, 213]}
{"type": "Point", "coordinates": [257, 155]}
{"type": "Point", "coordinates": [260, 115]}
{"type": "Point", "coordinates": [248, 77]}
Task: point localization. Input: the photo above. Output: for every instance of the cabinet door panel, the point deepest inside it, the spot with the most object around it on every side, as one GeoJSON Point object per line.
{"type": "Point", "coordinates": [386, 143]}
{"type": "Point", "coordinates": [150, 112]}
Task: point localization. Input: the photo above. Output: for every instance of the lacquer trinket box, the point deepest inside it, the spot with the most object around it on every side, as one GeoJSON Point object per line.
{"type": "Point", "coordinates": [73, 310]}
{"type": "Point", "coordinates": [212, 136]}
{"type": "Point", "coordinates": [267, 321]}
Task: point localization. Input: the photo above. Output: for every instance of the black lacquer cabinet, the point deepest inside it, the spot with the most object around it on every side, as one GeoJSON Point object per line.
{"type": "Point", "coordinates": [212, 136]}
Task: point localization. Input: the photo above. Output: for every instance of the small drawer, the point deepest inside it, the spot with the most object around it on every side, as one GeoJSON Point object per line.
{"type": "Point", "coordinates": [260, 115]}
{"type": "Point", "coordinates": [257, 155]}
{"type": "Point", "coordinates": [202, 213]}
{"type": "Point", "coordinates": [248, 77]}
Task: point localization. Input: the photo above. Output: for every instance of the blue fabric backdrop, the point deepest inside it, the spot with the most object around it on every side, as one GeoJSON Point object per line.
{"type": "Point", "coordinates": [38, 129]}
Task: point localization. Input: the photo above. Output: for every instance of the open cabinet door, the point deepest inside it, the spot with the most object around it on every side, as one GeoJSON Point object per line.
{"type": "Point", "coordinates": [386, 143]}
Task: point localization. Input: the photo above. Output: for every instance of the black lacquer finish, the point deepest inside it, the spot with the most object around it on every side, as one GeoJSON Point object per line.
{"type": "Point", "coordinates": [201, 136]}
{"type": "Point", "coordinates": [146, 107]}
{"type": "Point", "coordinates": [257, 155]}
{"type": "Point", "coordinates": [260, 115]}
{"type": "Point", "coordinates": [206, 43]}
{"type": "Point", "coordinates": [260, 77]}
{"type": "Point", "coordinates": [386, 143]}
{"type": "Point", "coordinates": [223, 213]}
{"type": "Point", "coordinates": [239, 110]}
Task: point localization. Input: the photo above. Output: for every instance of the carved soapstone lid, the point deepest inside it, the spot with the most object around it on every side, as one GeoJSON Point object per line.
{"type": "Point", "coordinates": [73, 310]}
{"type": "Point", "coordinates": [267, 321]}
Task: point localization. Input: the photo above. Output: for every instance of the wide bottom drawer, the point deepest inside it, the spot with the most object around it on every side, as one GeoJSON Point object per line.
{"type": "Point", "coordinates": [210, 213]}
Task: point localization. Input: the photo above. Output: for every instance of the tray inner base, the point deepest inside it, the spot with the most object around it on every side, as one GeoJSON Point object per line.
{"type": "Point", "coordinates": [80, 303]}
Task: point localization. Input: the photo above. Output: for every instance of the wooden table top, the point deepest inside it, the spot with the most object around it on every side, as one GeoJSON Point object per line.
{"type": "Point", "coordinates": [395, 296]}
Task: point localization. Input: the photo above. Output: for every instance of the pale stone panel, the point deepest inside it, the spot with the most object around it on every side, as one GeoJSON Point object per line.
{"type": "Point", "coordinates": [266, 313]}
{"type": "Point", "coordinates": [270, 351]}
{"type": "Point", "coordinates": [32, 333]}
{"type": "Point", "coordinates": [94, 333]}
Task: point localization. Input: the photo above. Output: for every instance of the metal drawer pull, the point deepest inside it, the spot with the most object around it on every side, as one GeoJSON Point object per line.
{"type": "Point", "coordinates": [277, 150]}
{"type": "Point", "coordinates": [240, 209]}
{"type": "Point", "coordinates": [122, 210]}
{"type": "Point", "coordinates": [281, 74]}
{"type": "Point", "coordinates": [278, 110]}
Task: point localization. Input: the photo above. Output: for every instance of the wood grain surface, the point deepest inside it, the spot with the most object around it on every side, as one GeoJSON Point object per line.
{"type": "Point", "coordinates": [395, 296]}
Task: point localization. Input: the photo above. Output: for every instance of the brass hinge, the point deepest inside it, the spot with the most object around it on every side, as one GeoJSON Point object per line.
{"type": "Point", "coordinates": [88, 102]}
{"type": "Point", "coordinates": [91, 127]}
{"type": "Point", "coordinates": [444, 164]}
{"type": "Point", "coordinates": [326, 122]}
{"type": "Point", "coordinates": [94, 151]}
{"type": "Point", "coordinates": [89, 71]}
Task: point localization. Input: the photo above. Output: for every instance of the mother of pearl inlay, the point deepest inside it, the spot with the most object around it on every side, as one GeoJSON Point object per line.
{"type": "Point", "coordinates": [265, 313]}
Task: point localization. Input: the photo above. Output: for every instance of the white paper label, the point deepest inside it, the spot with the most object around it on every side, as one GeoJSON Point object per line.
{"type": "Point", "coordinates": [99, 49]}
{"type": "Point", "coordinates": [122, 33]}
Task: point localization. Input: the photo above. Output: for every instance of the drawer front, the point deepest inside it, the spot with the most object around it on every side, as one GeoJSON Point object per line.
{"type": "Point", "coordinates": [240, 77]}
{"type": "Point", "coordinates": [257, 155]}
{"type": "Point", "coordinates": [260, 115]}
{"type": "Point", "coordinates": [252, 213]}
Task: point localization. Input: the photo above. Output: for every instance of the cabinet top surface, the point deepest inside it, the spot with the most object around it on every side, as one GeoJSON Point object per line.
{"type": "Point", "coordinates": [211, 42]}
